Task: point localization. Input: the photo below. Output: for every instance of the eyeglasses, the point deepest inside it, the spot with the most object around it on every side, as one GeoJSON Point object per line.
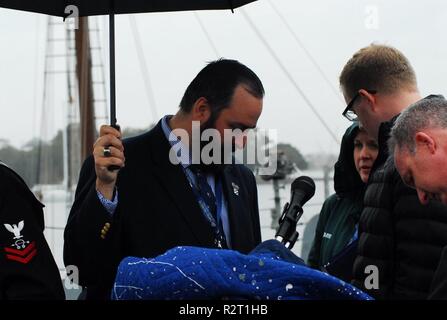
{"type": "Point", "coordinates": [348, 113]}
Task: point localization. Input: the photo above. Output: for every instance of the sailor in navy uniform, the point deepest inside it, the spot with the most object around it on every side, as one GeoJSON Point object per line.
{"type": "Point", "coordinates": [27, 268]}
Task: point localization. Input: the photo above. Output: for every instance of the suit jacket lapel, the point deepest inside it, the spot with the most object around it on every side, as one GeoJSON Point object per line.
{"type": "Point", "coordinates": [176, 184]}
{"type": "Point", "coordinates": [240, 226]}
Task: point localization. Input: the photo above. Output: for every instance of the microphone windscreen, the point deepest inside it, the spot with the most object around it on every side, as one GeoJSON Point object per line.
{"type": "Point", "coordinates": [306, 185]}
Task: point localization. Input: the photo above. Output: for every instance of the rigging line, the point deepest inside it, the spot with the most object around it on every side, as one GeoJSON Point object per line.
{"type": "Point", "coordinates": [36, 78]}
{"type": "Point", "coordinates": [38, 176]}
{"type": "Point", "coordinates": [68, 44]}
{"type": "Point", "coordinates": [207, 35]}
{"type": "Point", "coordinates": [35, 123]}
{"type": "Point", "coordinates": [144, 68]}
{"type": "Point", "coordinates": [289, 76]}
{"type": "Point", "coordinates": [100, 57]}
{"type": "Point", "coordinates": [49, 109]}
{"type": "Point", "coordinates": [308, 54]}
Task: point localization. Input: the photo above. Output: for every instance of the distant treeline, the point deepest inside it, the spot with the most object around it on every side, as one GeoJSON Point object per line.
{"type": "Point", "coordinates": [41, 162]}
{"type": "Point", "coordinates": [25, 161]}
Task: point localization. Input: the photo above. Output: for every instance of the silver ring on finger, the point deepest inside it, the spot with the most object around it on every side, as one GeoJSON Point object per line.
{"type": "Point", "coordinates": [107, 152]}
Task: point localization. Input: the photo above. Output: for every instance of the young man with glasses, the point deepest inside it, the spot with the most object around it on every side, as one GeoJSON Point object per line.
{"type": "Point", "coordinates": [400, 241]}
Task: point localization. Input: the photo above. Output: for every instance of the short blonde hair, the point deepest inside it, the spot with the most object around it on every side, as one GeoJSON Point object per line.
{"type": "Point", "coordinates": [377, 67]}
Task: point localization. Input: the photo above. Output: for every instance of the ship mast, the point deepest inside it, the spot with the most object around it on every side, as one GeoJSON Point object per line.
{"type": "Point", "coordinates": [85, 87]}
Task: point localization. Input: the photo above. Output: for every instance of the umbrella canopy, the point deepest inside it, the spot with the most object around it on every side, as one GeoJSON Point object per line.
{"type": "Point", "coordinates": [112, 7]}
{"type": "Point", "coordinates": [102, 7]}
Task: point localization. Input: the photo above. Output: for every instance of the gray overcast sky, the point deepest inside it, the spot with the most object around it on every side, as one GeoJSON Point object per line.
{"type": "Point", "coordinates": [175, 49]}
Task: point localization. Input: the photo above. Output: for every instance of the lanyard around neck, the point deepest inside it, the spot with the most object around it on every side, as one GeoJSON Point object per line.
{"type": "Point", "coordinates": [216, 225]}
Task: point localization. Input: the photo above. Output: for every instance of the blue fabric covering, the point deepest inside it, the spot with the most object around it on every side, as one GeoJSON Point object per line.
{"type": "Point", "coordinates": [198, 273]}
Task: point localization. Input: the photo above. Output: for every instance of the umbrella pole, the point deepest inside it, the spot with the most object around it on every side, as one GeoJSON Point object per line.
{"type": "Point", "coordinates": [112, 70]}
{"type": "Point", "coordinates": [112, 78]}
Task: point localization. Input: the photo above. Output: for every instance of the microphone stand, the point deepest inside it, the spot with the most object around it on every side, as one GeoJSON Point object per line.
{"type": "Point", "coordinates": [287, 233]}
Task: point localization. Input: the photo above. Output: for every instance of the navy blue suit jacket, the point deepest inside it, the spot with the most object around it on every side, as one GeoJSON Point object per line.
{"type": "Point", "coordinates": [157, 211]}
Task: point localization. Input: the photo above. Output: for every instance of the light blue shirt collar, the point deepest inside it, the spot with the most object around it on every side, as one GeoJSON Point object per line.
{"type": "Point", "coordinates": [183, 155]}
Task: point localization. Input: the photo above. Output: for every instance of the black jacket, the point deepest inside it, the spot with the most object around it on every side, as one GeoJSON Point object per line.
{"type": "Point", "coordinates": [340, 212]}
{"type": "Point", "coordinates": [27, 268]}
{"type": "Point", "coordinates": [157, 211]}
{"type": "Point", "coordinates": [397, 234]}
{"type": "Point", "coordinates": [438, 290]}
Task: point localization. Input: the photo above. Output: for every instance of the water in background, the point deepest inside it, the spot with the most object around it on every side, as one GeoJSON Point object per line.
{"type": "Point", "coordinates": [307, 223]}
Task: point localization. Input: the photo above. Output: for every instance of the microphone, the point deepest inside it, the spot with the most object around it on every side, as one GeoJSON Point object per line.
{"type": "Point", "coordinates": [302, 189]}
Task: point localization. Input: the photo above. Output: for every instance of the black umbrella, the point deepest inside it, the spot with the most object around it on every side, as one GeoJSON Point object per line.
{"type": "Point", "coordinates": [112, 7]}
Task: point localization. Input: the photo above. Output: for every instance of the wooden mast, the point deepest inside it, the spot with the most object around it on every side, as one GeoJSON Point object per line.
{"type": "Point", "coordinates": [85, 81]}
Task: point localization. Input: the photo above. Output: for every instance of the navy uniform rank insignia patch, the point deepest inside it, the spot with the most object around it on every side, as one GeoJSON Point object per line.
{"type": "Point", "coordinates": [21, 250]}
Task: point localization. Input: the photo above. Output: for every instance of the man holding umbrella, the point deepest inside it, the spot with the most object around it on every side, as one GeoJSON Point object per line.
{"type": "Point", "coordinates": [152, 204]}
